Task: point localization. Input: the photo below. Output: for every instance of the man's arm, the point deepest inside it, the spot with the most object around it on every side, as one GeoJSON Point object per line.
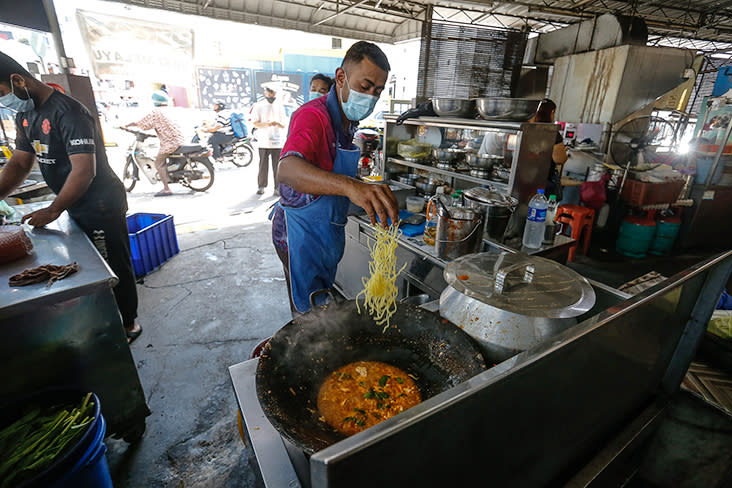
{"type": "Point", "coordinates": [376, 199]}
{"type": "Point", "coordinates": [19, 166]}
{"type": "Point", "coordinates": [83, 170]}
{"type": "Point", "coordinates": [257, 119]}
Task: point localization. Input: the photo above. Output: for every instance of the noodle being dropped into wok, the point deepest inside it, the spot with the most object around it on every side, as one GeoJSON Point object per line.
{"type": "Point", "coordinates": [379, 289]}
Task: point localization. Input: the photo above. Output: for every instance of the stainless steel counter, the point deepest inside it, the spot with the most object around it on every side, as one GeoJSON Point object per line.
{"type": "Point", "coordinates": [61, 242]}
{"type": "Point", "coordinates": [71, 333]}
{"type": "Point", "coordinates": [533, 420]}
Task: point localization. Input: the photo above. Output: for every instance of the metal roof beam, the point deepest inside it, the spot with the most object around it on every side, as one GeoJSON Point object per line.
{"type": "Point", "coordinates": [340, 12]}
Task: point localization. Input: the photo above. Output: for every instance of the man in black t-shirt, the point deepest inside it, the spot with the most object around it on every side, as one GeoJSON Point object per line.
{"type": "Point", "coordinates": [64, 138]}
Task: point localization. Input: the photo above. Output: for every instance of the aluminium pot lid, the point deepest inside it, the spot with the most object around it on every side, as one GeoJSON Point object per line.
{"type": "Point", "coordinates": [490, 197]}
{"type": "Point", "coordinates": [521, 284]}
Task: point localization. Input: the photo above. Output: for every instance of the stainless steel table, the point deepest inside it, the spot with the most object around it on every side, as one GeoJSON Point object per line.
{"type": "Point", "coordinates": [70, 333]}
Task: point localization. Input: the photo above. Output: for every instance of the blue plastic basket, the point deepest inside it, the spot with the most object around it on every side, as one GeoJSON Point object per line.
{"type": "Point", "coordinates": [152, 241]}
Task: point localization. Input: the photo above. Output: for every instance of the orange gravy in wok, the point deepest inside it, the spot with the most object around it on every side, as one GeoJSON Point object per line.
{"type": "Point", "coordinates": [362, 394]}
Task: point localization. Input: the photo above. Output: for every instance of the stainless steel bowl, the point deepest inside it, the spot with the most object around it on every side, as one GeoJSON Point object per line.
{"type": "Point", "coordinates": [483, 161]}
{"type": "Point", "coordinates": [454, 107]}
{"type": "Point", "coordinates": [408, 179]}
{"type": "Point", "coordinates": [514, 109]}
{"type": "Point", "coordinates": [447, 154]}
{"type": "Point", "coordinates": [427, 185]}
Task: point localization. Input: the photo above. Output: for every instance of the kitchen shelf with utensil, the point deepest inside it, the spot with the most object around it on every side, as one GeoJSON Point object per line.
{"type": "Point", "coordinates": [510, 156]}
{"type": "Point", "coordinates": [498, 185]}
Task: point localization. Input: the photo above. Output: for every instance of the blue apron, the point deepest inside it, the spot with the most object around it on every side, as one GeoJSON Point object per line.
{"type": "Point", "coordinates": [316, 236]}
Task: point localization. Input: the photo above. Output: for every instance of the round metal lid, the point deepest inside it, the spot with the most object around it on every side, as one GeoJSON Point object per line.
{"type": "Point", "coordinates": [490, 197]}
{"type": "Point", "coordinates": [522, 284]}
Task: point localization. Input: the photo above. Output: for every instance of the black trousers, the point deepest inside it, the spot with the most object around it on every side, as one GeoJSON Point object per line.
{"type": "Point", "coordinates": [108, 232]}
{"type": "Point", "coordinates": [217, 140]}
{"type": "Point", "coordinates": [264, 156]}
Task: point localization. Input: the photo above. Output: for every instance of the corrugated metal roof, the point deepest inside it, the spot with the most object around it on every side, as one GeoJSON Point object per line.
{"type": "Point", "coordinates": [670, 22]}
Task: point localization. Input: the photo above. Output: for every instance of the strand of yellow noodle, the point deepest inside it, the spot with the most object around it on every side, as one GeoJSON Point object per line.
{"type": "Point", "coordinates": [379, 289]}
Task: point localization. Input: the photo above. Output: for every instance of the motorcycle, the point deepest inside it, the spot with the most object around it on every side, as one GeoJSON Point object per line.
{"type": "Point", "coordinates": [190, 165]}
{"type": "Point", "coordinates": [238, 151]}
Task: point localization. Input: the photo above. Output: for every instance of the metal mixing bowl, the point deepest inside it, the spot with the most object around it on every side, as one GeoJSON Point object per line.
{"type": "Point", "coordinates": [427, 185]}
{"type": "Point", "coordinates": [454, 107]}
{"type": "Point", "coordinates": [484, 161]}
{"type": "Point", "coordinates": [514, 109]}
{"type": "Point", "coordinates": [447, 154]}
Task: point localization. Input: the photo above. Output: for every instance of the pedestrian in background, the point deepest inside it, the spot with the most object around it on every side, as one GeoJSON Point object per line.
{"type": "Point", "coordinates": [320, 85]}
{"type": "Point", "coordinates": [269, 118]}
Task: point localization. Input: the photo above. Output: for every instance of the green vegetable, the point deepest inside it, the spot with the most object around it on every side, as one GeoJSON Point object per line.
{"type": "Point", "coordinates": [399, 380]}
{"type": "Point", "coordinates": [383, 380]}
{"type": "Point", "coordinates": [34, 441]}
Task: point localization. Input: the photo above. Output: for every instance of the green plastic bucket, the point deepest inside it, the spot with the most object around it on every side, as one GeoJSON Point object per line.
{"type": "Point", "coordinates": [635, 237]}
{"type": "Point", "coordinates": [665, 236]}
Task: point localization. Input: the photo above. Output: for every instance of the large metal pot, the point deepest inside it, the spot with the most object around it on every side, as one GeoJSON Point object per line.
{"type": "Point", "coordinates": [459, 231]}
{"type": "Point", "coordinates": [511, 302]}
{"type": "Point", "coordinates": [300, 355]}
{"type": "Point", "coordinates": [496, 207]}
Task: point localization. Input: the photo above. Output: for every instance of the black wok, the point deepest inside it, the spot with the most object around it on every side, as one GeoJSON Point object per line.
{"type": "Point", "coordinates": [300, 355]}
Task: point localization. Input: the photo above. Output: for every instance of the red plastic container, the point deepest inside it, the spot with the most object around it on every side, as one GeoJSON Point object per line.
{"type": "Point", "coordinates": [640, 193]}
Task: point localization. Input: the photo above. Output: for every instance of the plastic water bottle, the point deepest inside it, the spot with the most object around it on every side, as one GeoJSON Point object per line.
{"type": "Point", "coordinates": [535, 219]}
{"type": "Point", "coordinates": [551, 213]}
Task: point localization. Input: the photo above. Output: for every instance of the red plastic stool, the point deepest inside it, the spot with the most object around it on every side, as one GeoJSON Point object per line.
{"type": "Point", "coordinates": [581, 220]}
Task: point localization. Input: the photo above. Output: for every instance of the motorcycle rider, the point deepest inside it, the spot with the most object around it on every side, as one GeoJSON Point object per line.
{"type": "Point", "coordinates": [171, 138]}
{"type": "Point", "coordinates": [221, 132]}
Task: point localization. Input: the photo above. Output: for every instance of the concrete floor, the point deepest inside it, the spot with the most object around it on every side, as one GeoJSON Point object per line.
{"type": "Point", "coordinates": [202, 311]}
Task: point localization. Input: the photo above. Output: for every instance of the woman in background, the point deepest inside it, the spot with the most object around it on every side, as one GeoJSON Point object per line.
{"type": "Point", "coordinates": [545, 113]}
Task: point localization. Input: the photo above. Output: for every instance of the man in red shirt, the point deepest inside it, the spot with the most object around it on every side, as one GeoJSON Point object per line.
{"type": "Point", "coordinates": [317, 173]}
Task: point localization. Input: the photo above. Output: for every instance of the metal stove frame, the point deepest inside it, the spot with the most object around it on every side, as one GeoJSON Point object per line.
{"type": "Point", "coordinates": [535, 419]}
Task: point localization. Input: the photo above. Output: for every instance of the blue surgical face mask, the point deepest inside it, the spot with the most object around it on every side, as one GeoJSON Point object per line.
{"type": "Point", "coordinates": [359, 105]}
{"type": "Point", "coordinates": [315, 94]}
{"type": "Point", "coordinates": [12, 101]}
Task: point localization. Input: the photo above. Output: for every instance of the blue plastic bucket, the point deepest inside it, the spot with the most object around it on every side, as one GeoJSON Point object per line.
{"type": "Point", "coordinates": [85, 464]}
{"type": "Point", "coordinates": [91, 470]}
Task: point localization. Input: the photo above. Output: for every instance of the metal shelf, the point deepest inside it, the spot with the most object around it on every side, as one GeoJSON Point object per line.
{"type": "Point", "coordinates": [458, 123]}
{"type": "Point", "coordinates": [459, 176]}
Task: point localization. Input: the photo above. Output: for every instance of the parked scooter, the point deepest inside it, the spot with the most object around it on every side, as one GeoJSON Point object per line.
{"type": "Point", "coordinates": [238, 151]}
{"type": "Point", "coordinates": [190, 165]}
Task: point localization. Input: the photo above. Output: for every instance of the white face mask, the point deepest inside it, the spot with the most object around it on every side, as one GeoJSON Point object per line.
{"type": "Point", "coordinates": [13, 102]}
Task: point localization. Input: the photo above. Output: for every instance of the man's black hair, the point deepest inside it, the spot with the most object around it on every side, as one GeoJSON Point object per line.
{"type": "Point", "coordinates": [9, 66]}
{"type": "Point", "coordinates": [326, 79]}
{"type": "Point", "coordinates": [365, 49]}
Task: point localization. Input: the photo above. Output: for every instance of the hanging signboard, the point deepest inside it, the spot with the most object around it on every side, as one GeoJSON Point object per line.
{"type": "Point", "coordinates": [289, 88]}
{"type": "Point", "coordinates": [131, 47]}
{"type": "Point", "coordinates": [232, 86]}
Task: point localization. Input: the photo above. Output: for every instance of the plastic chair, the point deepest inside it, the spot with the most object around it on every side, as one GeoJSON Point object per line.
{"type": "Point", "coordinates": [580, 219]}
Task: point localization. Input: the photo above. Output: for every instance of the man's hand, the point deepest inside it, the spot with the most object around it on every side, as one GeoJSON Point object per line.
{"type": "Point", "coordinates": [41, 217]}
{"type": "Point", "coordinates": [376, 199]}
{"type": "Point", "coordinates": [277, 124]}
